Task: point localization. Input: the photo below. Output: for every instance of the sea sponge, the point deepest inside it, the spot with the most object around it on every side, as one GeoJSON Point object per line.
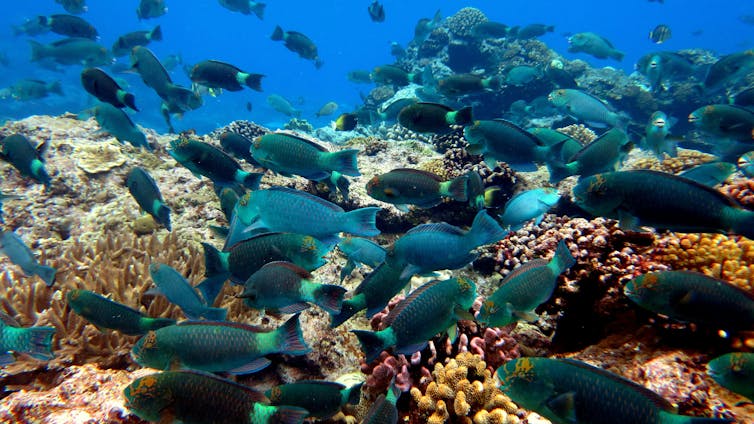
{"type": "Point", "coordinates": [461, 22]}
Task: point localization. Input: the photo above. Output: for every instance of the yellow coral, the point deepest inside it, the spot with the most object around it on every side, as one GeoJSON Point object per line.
{"type": "Point", "coordinates": [684, 160]}
{"type": "Point", "coordinates": [579, 132]}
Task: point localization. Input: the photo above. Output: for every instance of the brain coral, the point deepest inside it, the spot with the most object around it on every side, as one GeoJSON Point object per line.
{"type": "Point", "coordinates": [461, 23]}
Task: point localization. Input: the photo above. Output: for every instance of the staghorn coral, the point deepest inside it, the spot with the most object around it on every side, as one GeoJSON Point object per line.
{"type": "Point", "coordinates": [730, 258]}
{"type": "Point", "coordinates": [460, 24]}
{"type": "Point", "coordinates": [686, 159]}
{"type": "Point", "coordinates": [579, 132]}
{"type": "Point", "coordinates": [463, 391]}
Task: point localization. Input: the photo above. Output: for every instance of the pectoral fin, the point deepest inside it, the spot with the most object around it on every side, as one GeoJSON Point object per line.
{"type": "Point", "coordinates": [564, 406]}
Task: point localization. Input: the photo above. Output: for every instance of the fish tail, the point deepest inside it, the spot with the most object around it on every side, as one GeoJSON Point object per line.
{"type": "Point", "coordinates": [215, 262]}
{"type": "Point", "coordinates": [259, 10]}
{"type": "Point", "coordinates": [215, 314]}
{"type": "Point", "coordinates": [254, 81]}
{"type": "Point", "coordinates": [128, 99]}
{"type": "Point", "coordinates": [163, 216]}
{"type": "Point", "coordinates": [285, 415]}
{"type": "Point", "coordinates": [46, 273]}
{"type": "Point", "coordinates": [56, 88]}
{"type": "Point", "coordinates": [156, 34]}
{"type": "Point", "coordinates": [150, 324]}
{"type": "Point", "coordinates": [277, 34]}
{"type": "Point", "coordinates": [563, 258]}
{"type": "Point", "coordinates": [210, 287]}
{"type": "Point", "coordinates": [343, 161]}
{"type": "Point", "coordinates": [38, 50]}
{"type": "Point", "coordinates": [347, 309]}
{"type": "Point", "coordinates": [291, 339]}
{"type": "Point", "coordinates": [463, 116]}
{"type": "Point", "coordinates": [617, 55]}
{"type": "Point", "coordinates": [484, 230]}
{"type": "Point", "coordinates": [362, 222]}
{"type": "Point", "coordinates": [40, 342]}
{"type": "Point", "coordinates": [249, 180]}
{"type": "Point", "coordinates": [352, 395]}
{"type": "Point", "coordinates": [330, 297]}
{"type": "Point", "coordinates": [371, 343]}
{"type": "Point", "coordinates": [347, 269]}
{"type": "Point", "coordinates": [456, 188]}
{"type": "Point", "coordinates": [558, 170]}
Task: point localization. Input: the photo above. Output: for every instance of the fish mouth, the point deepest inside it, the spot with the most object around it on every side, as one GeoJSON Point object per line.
{"type": "Point", "coordinates": [693, 118]}
{"type": "Point", "coordinates": [659, 123]}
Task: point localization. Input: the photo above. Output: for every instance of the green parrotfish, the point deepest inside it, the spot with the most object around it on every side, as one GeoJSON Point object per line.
{"type": "Point", "coordinates": [33, 341]}
{"type": "Point", "coordinates": [119, 125]}
{"type": "Point", "coordinates": [106, 313]}
{"type": "Point", "coordinates": [583, 106]}
{"type": "Point", "coordinates": [424, 189]}
{"type": "Point", "coordinates": [362, 251]}
{"type": "Point", "coordinates": [216, 74]}
{"type": "Point", "coordinates": [205, 159]}
{"type": "Point", "coordinates": [504, 141]}
{"type": "Point", "coordinates": [433, 117]}
{"type": "Point", "coordinates": [102, 86]}
{"type": "Point", "coordinates": [144, 190]}
{"type": "Point", "coordinates": [603, 154]}
{"type": "Point", "coordinates": [17, 150]}
{"type": "Point", "coordinates": [171, 284]}
{"type": "Point", "coordinates": [298, 43]}
{"type": "Point", "coordinates": [290, 155]}
{"type": "Point", "coordinates": [322, 399]}
{"type": "Point", "coordinates": [735, 372]}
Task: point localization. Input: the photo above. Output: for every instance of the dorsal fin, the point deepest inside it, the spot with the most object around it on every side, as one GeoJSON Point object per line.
{"type": "Point", "coordinates": [235, 68]}
{"type": "Point", "coordinates": [534, 263]}
{"type": "Point", "coordinates": [302, 139]}
{"type": "Point", "coordinates": [8, 320]}
{"type": "Point", "coordinates": [408, 300]}
{"type": "Point", "coordinates": [440, 227]}
{"type": "Point", "coordinates": [313, 198]}
{"type": "Point", "coordinates": [228, 324]}
{"type": "Point", "coordinates": [419, 172]}
{"type": "Point", "coordinates": [301, 272]}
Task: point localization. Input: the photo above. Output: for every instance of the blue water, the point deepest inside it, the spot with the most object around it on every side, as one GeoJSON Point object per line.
{"type": "Point", "coordinates": [347, 40]}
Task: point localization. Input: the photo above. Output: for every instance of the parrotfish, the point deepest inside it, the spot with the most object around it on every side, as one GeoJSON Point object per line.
{"type": "Point", "coordinates": [298, 43]}
{"type": "Point", "coordinates": [18, 253]}
{"type": "Point", "coordinates": [593, 44]}
{"type": "Point", "coordinates": [746, 164]}
{"type": "Point", "coordinates": [193, 397]}
{"type": "Point", "coordinates": [245, 7]}
{"type": "Point", "coordinates": [216, 74]}
{"type": "Point", "coordinates": [662, 67]}
{"type": "Point", "coordinates": [238, 146]}
{"type": "Point", "coordinates": [710, 173]}
{"type": "Point", "coordinates": [569, 391]}
{"type": "Point", "coordinates": [102, 86]}
{"type": "Point", "coordinates": [587, 108]}
{"type": "Point", "coordinates": [532, 31]}
{"type": "Point", "coordinates": [288, 288]}
{"type": "Point", "coordinates": [4, 197]}
{"type": "Point", "coordinates": [71, 51]}
{"type": "Point", "coordinates": [362, 251]}
{"type": "Point", "coordinates": [425, 26]}
{"type": "Point", "coordinates": [290, 155]}
{"type": "Point", "coordinates": [656, 136]}
{"type": "Point", "coordinates": [729, 69]}
{"type": "Point", "coordinates": [728, 121]}
{"type": "Point", "coordinates": [603, 154]}
{"type": "Point", "coordinates": [142, 187]}
{"type": "Point", "coordinates": [289, 210]}
{"type": "Point", "coordinates": [119, 125]}
{"type": "Point", "coordinates": [151, 9]}
{"type": "Point", "coordinates": [433, 308]}
{"type": "Point", "coordinates": [424, 189]}
{"type": "Point", "coordinates": [73, 6]}
{"type": "Point", "coordinates": [693, 297]}
{"type": "Point", "coordinates": [150, 69]}
{"type": "Point", "coordinates": [217, 346]}
{"type": "Point", "coordinates": [373, 294]}
{"type": "Point", "coordinates": [432, 247]}
{"type": "Point", "coordinates": [393, 75]}
{"type": "Point", "coordinates": [524, 289]}
{"type": "Point", "coordinates": [462, 84]}
{"type": "Point", "coordinates": [33, 89]}
{"type": "Point", "coordinates": [207, 160]}
{"type": "Point", "coordinates": [107, 314]}
{"type": "Point", "coordinates": [558, 142]}
{"type": "Point", "coordinates": [228, 197]}
{"type": "Point", "coordinates": [69, 26]}
{"type": "Point", "coordinates": [322, 399]}
{"type": "Point", "coordinates": [522, 75]}
{"type": "Point", "coordinates": [735, 372]}
{"type": "Point", "coordinates": [19, 152]}
{"type": "Point", "coordinates": [171, 284]}
{"type": "Point", "coordinates": [384, 409]}
{"type": "Point", "coordinates": [475, 190]}
{"type": "Point", "coordinates": [327, 109]}
{"type": "Point", "coordinates": [126, 42]}
{"type": "Point", "coordinates": [433, 117]}
{"type": "Point", "coordinates": [660, 200]}
{"type": "Point", "coordinates": [33, 341]}
{"type": "Point", "coordinates": [528, 205]}
{"type": "Point", "coordinates": [504, 141]}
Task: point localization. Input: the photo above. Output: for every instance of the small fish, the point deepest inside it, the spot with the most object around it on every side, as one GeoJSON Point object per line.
{"type": "Point", "coordinates": [33, 341]}
{"type": "Point", "coordinates": [238, 146]}
{"type": "Point", "coordinates": [425, 26]}
{"type": "Point", "coordinates": [328, 109]}
{"type": "Point", "coordinates": [288, 288]}
{"type": "Point", "coordinates": [660, 34]}
{"type": "Point", "coordinates": [29, 89]}
{"type": "Point", "coordinates": [570, 391]}
{"type": "Point", "coordinates": [729, 70]}
{"type": "Point", "coordinates": [171, 284]}
{"type": "Point", "coordinates": [143, 188]}
{"type": "Point", "coordinates": [528, 205]}
{"type": "Point", "coordinates": [216, 74]}
{"type": "Point", "coordinates": [656, 136]}
{"type": "Point", "coordinates": [431, 247]}
{"type": "Point", "coordinates": [362, 251]}
{"type": "Point", "coordinates": [151, 9]}
{"type": "Point", "coordinates": [594, 45]}
{"type": "Point", "coordinates": [504, 141]}
{"type": "Point", "coordinates": [217, 346]}
{"type": "Point", "coordinates": [384, 409]}
{"type": "Point", "coordinates": [126, 42]}
{"type": "Point", "coordinates": [289, 210]}
{"type": "Point", "coordinates": [14, 248]}
{"type": "Point", "coordinates": [107, 314]}
{"type": "Point", "coordinates": [746, 164]}
{"type": "Point", "coordinates": [207, 160]}
{"type": "Point", "coordinates": [290, 155]}
{"type": "Point", "coordinates": [69, 26]}
{"type": "Point", "coordinates": [433, 117]}
{"type": "Point", "coordinates": [298, 43]}
{"type": "Point", "coordinates": [17, 150]}
{"type": "Point", "coordinates": [424, 189]}
{"type": "Point", "coordinates": [533, 31]}
{"type": "Point", "coordinates": [71, 51]}
{"type": "Point", "coordinates": [393, 75]}
{"type": "Point", "coordinates": [280, 104]}
{"type": "Point", "coordinates": [245, 7]}
{"type": "Point", "coordinates": [433, 308]}
{"type": "Point", "coordinates": [605, 153]}
{"type": "Point", "coordinates": [710, 174]}
{"type": "Point", "coordinates": [102, 86]}
{"type": "Point", "coordinates": [693, 297]}
{"type": "Point", "coordinates": [585, 107]}
{"type": "Point", "coordinates": [524, 289]}
{"type": "Point", "coordinates": [735, 372]}
{"type": "Point", "coordinates": [360, 76]}
{"type": "Point", "coordinates": [202, 398]}
{"type": "Point", "coordinates": [660, 200]}
{"type": "Point", "coordinates": [322, 399]}
{"type": "Point", "coordinates": [30, 27]}
{"type": "Point", "coordinates": [376, 11]}
{"type": "Point", "coordinates": [76, 7]}
{"type": "Point", "coordinates": [346, 122]}
{"type": "Point", "coordinates": [119, 125]}
{"type": "Point", "coordinates": [172, 60]}
{"type": "Point", "coordinates": [463, 84]}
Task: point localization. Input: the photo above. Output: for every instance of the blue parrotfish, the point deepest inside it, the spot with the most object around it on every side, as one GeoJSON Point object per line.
{"type": "Point", "coordinates": [19, 152]}
{"type": "Point", "coordinates": [524, 289]}
{"type": "Point", "coordinates": [656, 137]}
{"type": "Point", "coordinates": [108, 314]}
{"type": "Point", "coordinates": [504, 141]}
{"type": "Point", "coordinates": [433, 117]}
{"type": "Point", "coordinates": [567, 391]}
{"type": "Point", "coordinates": [33, 341]}
{"type": "Point", "coordinates": [384, 409]}
{"type": "Point", "coordinates": [585, 107]}
{"type": "Point", "coordinates": [360, 251]}
{"type": "Point", "coordinates": [119, 125]}
{"type": "Point", "coordinates": [18, 253]}
{"type": "Point", "coordinates": [171, 284]}
{"type": "Point", "coordinates": [433, 308]}
{"type": "Point", "coordinates": [528, 205]}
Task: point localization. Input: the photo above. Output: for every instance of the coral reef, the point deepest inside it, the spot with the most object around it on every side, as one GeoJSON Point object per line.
{"type": "Point", "coordinates": [685, 159]}
{"type": "Point", "coordinates": [742, 191]}
{"type": "Point", "coordinates": [579, 132]}
{"type": "Point", "coordinates": [438, 39]}
{"type": "Point", "coordinates": [250, 130]}
{"type": "Point", "coordinates": [300, 125]}
{"type": "Point", "coordinates": [460, 23]}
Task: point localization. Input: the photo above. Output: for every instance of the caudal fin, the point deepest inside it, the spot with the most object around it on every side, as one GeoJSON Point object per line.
{"type": "Point", "coordinates": [291, 339]}
{"type": "Point", "coordinates": [156, 34]}
{"type": "Point", "coordinates": [457, 188]}
{"type": "Point", "coordinates": [259, 10]}
{"type": "Point", "coordinates": [362, 222]}
{"type": "Point", "coordinates": [215, 262]}
{"type": "Point", "coordinates": [463, 116]}
{"type": "Point", "coordinates": [348, 309]}
{"type": "Point", "coordinates": [56, 88]}
{"type": "Point", "coordinates": [130, 101]}
{"type": "Point", "coordinates": [249, 180]}
{"type": "Point", "coordinates": [742, 222]}
{"type": "Point", "coordinates": [563, 258]}
{"type": "Point", "coordinates": [215, 314]}
{"type": "Point", "coordinates": [46, 273]}
{"type": "Point", "coordinates": [484, 230]}
{"type": "Point", "coordinates": [40, 342]}
{"type": "Point", "coordinates": [277, 34]}
{"type": "Point", "coordinates": [254, 81]}
{"type": "Point", "coordinates": [38, 50]}
{"type": "Point", "coordinates": [343, 161]}
{"type": "Point", "coordinates": [329, 297]}
{"type": "Point", "coordinates": [371, 344]}
{"type": "Point", "coordinates": [163, 216]}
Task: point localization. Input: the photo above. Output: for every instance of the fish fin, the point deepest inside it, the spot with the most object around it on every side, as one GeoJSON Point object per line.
{"type": "Point", "coordinates": [564, 406]}
{"type": "Point", "coordinates": [456, 189]}
{"type": "Point", "coordinates": [215, 264]}
{"type": "Point", "coordinates": [475, 149]}
{"type": "Point", "coordinates": [371, 343]}
{"type": "Point", "coordinates": [528, 316]}
{"type": "Point", "coordinates": [490, 162]}
{"type": "Point", "coordinates": [291, 339]}
{"type": "Point", "coordinates": [218, 230]}
{"type": "Point", "coordinates": [284, 415]}
{"type": "Point", "coordinates": [411, 349]}
{"type": "Point", "coordinates": [628, 221]}
{"type": "Point", "coordinates": [343, 161]}
{"type": "Point", "coordinates": [347, 269]}
{"type": "Point", "coordinates": [409, 271]}
{"type": "Point", "coordinates": [40, 342]}
{"type": "Point", "coordinates": [484, 230]}
{"type": "Point", "coordinates": [402, 208]}
{"type": "Point", "coordinates": [362, 222]}
{"type": "Point", "coordinates": [252, 367]}
{"type": "Point", "coordinates": [352, 394]}
{"type": "Point", "coordinates": [46, 273]}
{"type": "Point", "coordinates": [452, 332]}
{"type": "Point", "coordinates": [563, 258]}
{"type": "Point", "coordinates": [330, 297]}
{"type": "Point", "coordinates": [249, 180]}
{"type": "Point", "coordinates": [154, 291]}
{"type": "Point", "coordinates": [463, 116]}
{"type": "Point", "coordinates": [6, 358]}
{"type": "Point", "coordinates": [215, 314]}
{"type": "Point", "coordinates": [211, 287]}
{"type": "Point", "coordinates": [293, 308]}
{"type": "Point", "coordinates": [347, 309]}
{"type": "Point", "coordinates": [463, 314]}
